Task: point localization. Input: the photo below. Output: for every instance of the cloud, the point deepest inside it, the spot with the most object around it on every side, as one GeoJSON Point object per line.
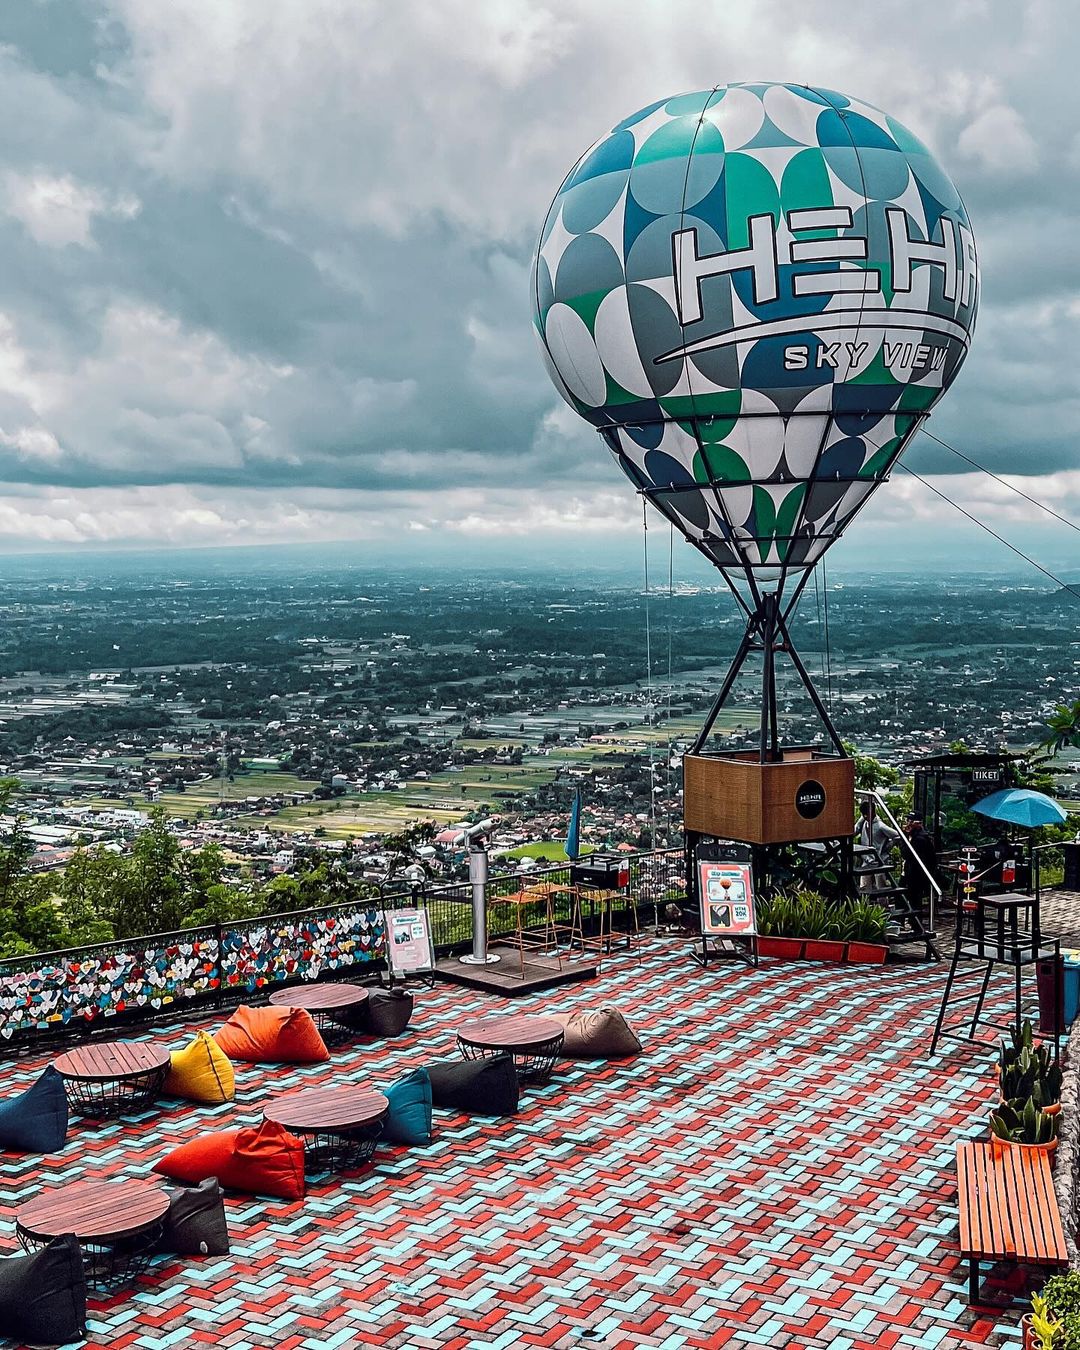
{"type": "Point", "coordinates": [263, 258]}
{"type": "Point", "coordinates": [999, 142]}
{"type": "Point", "coordinates": [59, 211]}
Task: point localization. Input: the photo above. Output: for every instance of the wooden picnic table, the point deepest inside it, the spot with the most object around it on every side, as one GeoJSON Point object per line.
{"type": "Point", "coordinates": [340, 1126]}
{"type": "Point", "coordinates": [534, 1042]}
{"type": "Point", "coordinates": [108, 1078]}
{"type": "Point", "coordinates": [117, 1224]}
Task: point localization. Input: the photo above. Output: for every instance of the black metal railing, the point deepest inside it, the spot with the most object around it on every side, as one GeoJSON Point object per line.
{"type": "Point", "coordinates": [81, 990]}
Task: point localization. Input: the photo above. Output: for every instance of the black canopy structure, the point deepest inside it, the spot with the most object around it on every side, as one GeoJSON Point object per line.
{"type": "Point", "coordinates": [964, 776]}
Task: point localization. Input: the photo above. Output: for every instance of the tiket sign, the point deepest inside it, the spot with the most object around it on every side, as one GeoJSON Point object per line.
{"type": "Point", "coordinates": [782, 270]}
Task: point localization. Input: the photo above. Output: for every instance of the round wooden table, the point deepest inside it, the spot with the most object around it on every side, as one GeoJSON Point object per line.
{"type": "Point", "coordinates": [117, 1224]}
{"type": "Point", "coordinates": [107, 1078]}
{"type": "Point", "coordinates": [340, 1126]}
{"type": "Point", "coordinates": [534, 1042]}
{"type": "Point", "coordinates": [337, 1008]}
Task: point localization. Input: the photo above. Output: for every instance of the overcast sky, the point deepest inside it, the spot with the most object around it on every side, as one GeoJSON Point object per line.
{"type": "Point", "coordinates": [265, 262]}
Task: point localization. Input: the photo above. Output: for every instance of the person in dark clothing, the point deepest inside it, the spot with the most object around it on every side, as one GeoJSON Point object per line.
{"type": "Point", "coordinates": [916, 882]}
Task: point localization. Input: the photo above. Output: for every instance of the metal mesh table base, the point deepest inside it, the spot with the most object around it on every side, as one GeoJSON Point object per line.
{"type": "Point", "coordinates": [532, 1062]}
{"type": "Point", "coordinates": [108, 1097]}
{"type": "Point", "coordinates": [110, 1264]}
{"type": "Point", "coordinates": [340, 1150]}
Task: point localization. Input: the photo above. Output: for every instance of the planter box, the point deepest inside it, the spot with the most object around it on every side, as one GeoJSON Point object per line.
{"type": "Point", "coordinates": [866, 953]}
{"type": "Point", "coordinates": [824, 951]}
{"type": "Point", "coordinates": [788, 949]}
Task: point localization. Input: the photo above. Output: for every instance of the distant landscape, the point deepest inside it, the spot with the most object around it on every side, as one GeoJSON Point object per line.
{"type": "Point", "coordinates": [280, 711]}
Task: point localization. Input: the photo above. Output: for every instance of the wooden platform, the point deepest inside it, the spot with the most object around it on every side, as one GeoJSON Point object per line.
{"type": "Point", "coordinates": [541, 972]}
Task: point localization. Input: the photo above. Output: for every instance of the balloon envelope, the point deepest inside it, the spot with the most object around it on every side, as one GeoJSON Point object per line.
{"type": "Point", "coordinates": [756, 293]}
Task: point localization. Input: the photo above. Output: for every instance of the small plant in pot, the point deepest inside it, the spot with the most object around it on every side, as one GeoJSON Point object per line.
{"type": "Point", "coordinates": [777, 926]}
{"type": "Point", "coordinates": [1029, 1072]}
{"type": "Point", "coordinates": [1054, 1322]}
{"type": "Point", "coordinates": [865, 923]}
{"type": "Point", "coordinates": [822, 925]}
{"type": "Point", "coordinates": [1026, 1127]}
{"type": "Point", "coordinates": [1041, 1326]}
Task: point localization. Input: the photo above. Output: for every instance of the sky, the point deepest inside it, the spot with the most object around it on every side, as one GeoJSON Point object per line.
{"type": "Point", "coordinates": [265, 272]}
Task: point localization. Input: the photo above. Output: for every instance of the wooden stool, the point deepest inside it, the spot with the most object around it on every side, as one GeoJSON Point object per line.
{"type": "Point", "coordinates": [542, 937]}
{"type": "Point", "coordinates": [603, 909]}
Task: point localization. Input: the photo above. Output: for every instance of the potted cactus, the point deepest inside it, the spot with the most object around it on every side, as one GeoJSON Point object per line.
{"type": "Point", "coordinates": [1026, 1070]}
{"type": "Point", "coordinates": [1040, 1326]}
{"type": "Point", "coordinates": [1026, 1127]}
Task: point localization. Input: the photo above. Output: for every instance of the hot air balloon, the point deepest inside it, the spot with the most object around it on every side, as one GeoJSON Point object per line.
{"type": "Point", "coordinates": [756, 294]}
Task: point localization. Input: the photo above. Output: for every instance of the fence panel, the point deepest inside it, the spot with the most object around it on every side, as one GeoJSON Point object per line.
{"type": "Point", "coordinates": [47, 995]}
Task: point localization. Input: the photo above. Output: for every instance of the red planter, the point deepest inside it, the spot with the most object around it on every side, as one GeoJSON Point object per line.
{"type": "Point", "coordinates": [866, 953]}
{"type": "Point", "coordinates": [824, 951]}
{"type": "Point", "coordinates": [788, 949]}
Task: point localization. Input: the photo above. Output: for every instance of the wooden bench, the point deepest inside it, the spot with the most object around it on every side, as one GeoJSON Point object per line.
{"type": "Point", "coordinates": [1008, 1209]}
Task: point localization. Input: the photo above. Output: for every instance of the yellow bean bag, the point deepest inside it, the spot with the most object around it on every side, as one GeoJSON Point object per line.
{"type": "Point", "coordinates": [201, 1072]}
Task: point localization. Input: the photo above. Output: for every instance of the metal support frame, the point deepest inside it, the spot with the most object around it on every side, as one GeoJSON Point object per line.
{"type": "Point", "coordinates": [768, 633]}
{"type": "Point", "coordinates": [107, 1098]}
{"type": "Point", "coordinates": [110, 1263]}
{"type": "Point", "coordinates": [341, 1150]}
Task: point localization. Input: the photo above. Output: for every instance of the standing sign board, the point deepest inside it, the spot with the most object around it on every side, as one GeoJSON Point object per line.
{"type": "Point", "coordinates": [408, 942]}
{"type": "Point", "coordinates": [726, 897]}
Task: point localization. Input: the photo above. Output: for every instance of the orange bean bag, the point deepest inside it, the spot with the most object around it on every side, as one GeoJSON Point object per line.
{"type": "Point", "coordinates": [272, 1036]}
{"type": "Point", "coordinates": [266, 1161]}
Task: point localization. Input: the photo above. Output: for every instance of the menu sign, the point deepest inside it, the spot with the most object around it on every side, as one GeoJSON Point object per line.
{"type": "Point", "coordinates": [727, 899]}
{"type": "Point", "coordinates": [408, 941]}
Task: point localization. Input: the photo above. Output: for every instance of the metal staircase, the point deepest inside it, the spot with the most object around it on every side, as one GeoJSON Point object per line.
{"type": "Point", "coordinates": [906, 925]}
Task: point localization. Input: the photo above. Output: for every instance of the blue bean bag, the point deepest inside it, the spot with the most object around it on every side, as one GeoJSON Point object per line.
{"type": "Point", "coordinates": [409, 1118]}
{"type": "Point", "coordinates": [36, 1120]}
{"type": "Point", "coordinates": [43, 1296]}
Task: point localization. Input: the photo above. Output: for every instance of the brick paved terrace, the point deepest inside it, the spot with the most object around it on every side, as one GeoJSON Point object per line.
{"type": "Point", "coordinates": [776, 1169]}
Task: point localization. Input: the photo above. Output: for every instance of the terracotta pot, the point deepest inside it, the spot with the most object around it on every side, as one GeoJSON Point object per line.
{"type": "Point", "coordinates": [788, 949]}
{"type": "Point", "coordinates": [824, 951]}
{"type": "Point", "coordinates": [1030, 1339]}
{"type": "Point", "coordinates": [866, 953]}
{"type": "Point", "coordinates": [1000, 1144]}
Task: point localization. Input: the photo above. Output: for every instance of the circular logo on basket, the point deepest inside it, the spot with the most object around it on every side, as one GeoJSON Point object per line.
{"type": "Point", "coordinates": [810, 799]}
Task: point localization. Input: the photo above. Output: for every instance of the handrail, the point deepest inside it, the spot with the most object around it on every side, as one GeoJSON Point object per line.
{"type": "Point", "coordinates": [936, 893]}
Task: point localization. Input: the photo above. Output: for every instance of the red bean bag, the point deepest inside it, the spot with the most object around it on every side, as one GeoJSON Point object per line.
{"type": "Point", "coordinates": [272, 1036]}
{"type": "Point", "coordinates": [266, 1161]}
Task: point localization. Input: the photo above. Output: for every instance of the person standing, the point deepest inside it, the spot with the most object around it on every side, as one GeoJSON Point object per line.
{"type": "Point", "coordinates": [878, 838]}
{"type": "Point", "coordinates": [916, 881]}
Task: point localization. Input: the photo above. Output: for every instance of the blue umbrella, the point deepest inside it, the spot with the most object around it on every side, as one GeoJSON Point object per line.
{"type": "Point", "coordinates": [1022, 806]}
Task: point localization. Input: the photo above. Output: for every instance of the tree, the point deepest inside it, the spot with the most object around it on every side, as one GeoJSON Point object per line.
{"type": "Point", "coordinates": [1063, 729]}
{"type": "Point", "coordinates": [871, 773]}
{"type": "Point", "coordinates": [403, 849]}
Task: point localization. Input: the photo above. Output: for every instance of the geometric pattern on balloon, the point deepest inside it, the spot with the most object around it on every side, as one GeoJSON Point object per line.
{"type": "Point", "coordinates": [85, 986]}
{"type": "Point", "coordinates": [756, 293]}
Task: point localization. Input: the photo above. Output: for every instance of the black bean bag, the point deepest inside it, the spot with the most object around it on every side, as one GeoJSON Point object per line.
{"type": "Point", "coordinates": [482, 1087]}
{"type": "Point", "coordinates": [195, 1224]}
{"type": "Point", "coordinates": [43, 1296]}
{"type": "Point", "coordinates": [386, 1012]}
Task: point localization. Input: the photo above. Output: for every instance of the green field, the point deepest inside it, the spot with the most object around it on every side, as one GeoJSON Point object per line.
{"type": "Point", "coordinates": [443, 798]}
{"type": "Point", "coordinates": [550, 850]}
